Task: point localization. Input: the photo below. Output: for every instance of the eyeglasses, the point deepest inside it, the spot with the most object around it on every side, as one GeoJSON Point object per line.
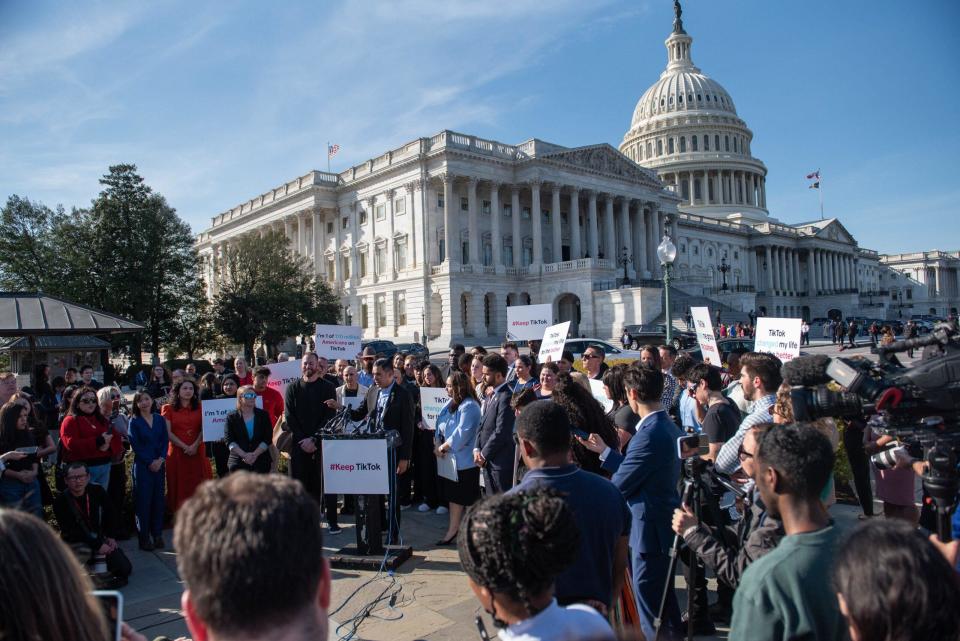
{"type": "Point", "coordinates": [743, 454]}
{"type": "Point", "coordinates": [76, 477]}
{"type": "Point", "coordinates": [88, 399]}
{"type": "Point", "coordinates": [587, 356]}
{"type": "Point", "coordinates": [249, 395]}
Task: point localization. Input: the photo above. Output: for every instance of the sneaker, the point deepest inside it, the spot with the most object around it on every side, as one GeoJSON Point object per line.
{"type": "Point", "coordinates": [423, 508]}
{"type": "Point", "coordinates": [442, 510]}
{"type": "Point", "coordinates": [333, 530]}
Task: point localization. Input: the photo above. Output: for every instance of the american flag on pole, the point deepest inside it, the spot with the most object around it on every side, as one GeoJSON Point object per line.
{"type": "Point", "coordinates": [814, 176]}
{"type": "Point", "coordinates": [332, 150]}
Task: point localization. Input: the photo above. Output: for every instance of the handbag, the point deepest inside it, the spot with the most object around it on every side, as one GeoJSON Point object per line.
{"type": "Point", "coordinates": [282, 437]}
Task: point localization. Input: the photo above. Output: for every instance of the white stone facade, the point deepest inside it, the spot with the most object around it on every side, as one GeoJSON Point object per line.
{"type": "Point", "coordinates": [437, 237]}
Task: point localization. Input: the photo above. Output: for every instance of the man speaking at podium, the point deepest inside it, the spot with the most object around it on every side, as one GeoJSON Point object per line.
{"type": "Point", "coordinates": [388, 406]}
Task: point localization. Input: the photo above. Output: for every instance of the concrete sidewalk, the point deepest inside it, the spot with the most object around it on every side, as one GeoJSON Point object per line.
{"type": "Point", "coordinates": [432, 600]}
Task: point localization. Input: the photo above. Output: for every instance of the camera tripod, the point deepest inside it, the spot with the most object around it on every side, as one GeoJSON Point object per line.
{"type": "Point", "coordinates": [692, 491]}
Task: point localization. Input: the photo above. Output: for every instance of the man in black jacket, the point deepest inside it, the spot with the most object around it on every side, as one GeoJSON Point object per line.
{"type": "Point", "coordinates": [306, 410]}
{"type": "Point", "coordinates": [84, 513]}
{"type": "Point", "coordinates": [729, 553]}
{"type": "Point", "coordinates": [494, 452]}
{"type": "Point", "coordinates": [388, 406]}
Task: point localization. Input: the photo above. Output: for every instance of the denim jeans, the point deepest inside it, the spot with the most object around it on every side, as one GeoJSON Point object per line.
{"type": "Point", "coordinates": [100, 474]}
{"type": "Point", "coordinates": [21, 496]}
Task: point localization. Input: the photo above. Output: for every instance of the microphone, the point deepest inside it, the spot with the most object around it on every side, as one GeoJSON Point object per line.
{"type": "Point", "coordinates": [806, 371]}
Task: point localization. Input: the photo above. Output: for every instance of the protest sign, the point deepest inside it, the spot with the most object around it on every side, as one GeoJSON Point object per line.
{"type": "Point", "coordinates": [705, 336]}
{"type": "Point", "coordinates": [554, 338]}
{"type": "Point", "coordinates": [432, 400]}
{"type": "Point", "coordinates": [596, 388]}
{"type": "Point", "coordinates": [338, 341]}
{"type": "Point", "coordinates": [527, 322]}
{"type": "Point", "coordinates": [215, 416]}
{"type": "Point", "coordinates": [778, 336]}
{"type": "Point", "coordinates": [355, 466]}
{"type": "Point", "coordinates": [282, 374]}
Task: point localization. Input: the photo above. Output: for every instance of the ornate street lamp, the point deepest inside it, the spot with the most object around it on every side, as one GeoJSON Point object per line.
{"type": "Point", "coordinates": [667, 253]}
{"type": "Point", "coordinates": [625, 260]}
{"type": "Point", "coordinates": [723, 269]}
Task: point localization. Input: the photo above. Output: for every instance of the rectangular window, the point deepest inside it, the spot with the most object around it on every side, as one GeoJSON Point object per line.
{"type": "Point", "coordinates": [508, 210]}
{"type": "Point", "coordinates": [487, 255]}
{"type": "Point", "coordinates": [344, 222]}
{"type": "Point", "coordinates": [381, 212]}
{"type": "Point", "coordinates": [508, 253]}
{"type": "Point", "coordinates": [527, 256]}
{"type": "Point", "coordinates": [364, 316]}
{"type": "Point", "coordinates": [401, 310]}
{"type": "Point", "coordinates": [464, 203]}
{"type": "Point", "coordinates": [345, 267]}
{"type": "Point", "coordinates": [363, 216]}
{"type": "Point", "coordinates": [464, 251]}
{"type": "Point", "coordinates": [439, 200]}
{"type": "Point", "coordinates": [525, 213]}
{"type": "Point", "coordinates": [909, 294]}
{"type": "Point", "coordinates": [564, 217]}
{"type": "Point", "coordinates": [400, 206]}
{"type": "Point", "coordinates": [363, 264]}
{"type": "Point", "coordinates": [330, 269]}
{"type": "Point", "coordinates": [546, 215]}
{"type": "Point", "coordinates": [382, 312]}
{"type": "Point", "coordinates": [400, 255]}
{"type": "Point", "coordinates": [329, 226]}
{"type": "Point", "coordinates": [380, 259]}
{"type": "Point", "coordinates": [485, 207]}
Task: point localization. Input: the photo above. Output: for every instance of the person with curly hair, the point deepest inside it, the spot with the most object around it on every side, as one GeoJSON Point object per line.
{"type": "Point", "coordinates": [512, 548]}
{"type": "Point", "coordinates": [586, 415]}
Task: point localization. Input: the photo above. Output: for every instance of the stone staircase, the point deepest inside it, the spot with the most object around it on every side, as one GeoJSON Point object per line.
{"type": "Point", "coordinates": [681, 301]}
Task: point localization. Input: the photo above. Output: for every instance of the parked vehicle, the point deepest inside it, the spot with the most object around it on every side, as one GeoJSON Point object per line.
{"type": "Point", "coordinates": [578, 345]}
{"type": "Point", "coordinates": [415, 349]}
{"type": "Point", "coordinates": [657, 335]}
{"type": "Point", "coordinates": [725, 346]}
{"type": "Point", "coordinates": [384, 349]}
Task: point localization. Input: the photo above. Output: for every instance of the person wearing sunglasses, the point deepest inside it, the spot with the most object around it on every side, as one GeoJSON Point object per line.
{"type": "Point", "coordinates": [593, 362]}
{"type": "Point", "coordinates": [87, 437]}
{"type": "Point", "coordinates": [248, 433]}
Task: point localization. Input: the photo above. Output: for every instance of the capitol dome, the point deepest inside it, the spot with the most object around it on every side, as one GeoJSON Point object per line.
{"type": "Point", "coordinates": [686, 128]}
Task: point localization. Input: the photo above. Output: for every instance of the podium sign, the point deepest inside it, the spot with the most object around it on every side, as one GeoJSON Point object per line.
{"type": "Point", "coordinates": [355, 466]}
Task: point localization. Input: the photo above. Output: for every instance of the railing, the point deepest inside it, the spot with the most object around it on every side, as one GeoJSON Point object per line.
{"type": "Point", "coordinates": [517, 271]}
{"type": "Point", "coordinates": [733, 289]}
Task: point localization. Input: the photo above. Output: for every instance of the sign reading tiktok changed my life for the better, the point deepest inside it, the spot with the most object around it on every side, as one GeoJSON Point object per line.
{"type": "Point", "coordinates": [338, 341]}
{"type": "Point", "coordinates": [778, 336]}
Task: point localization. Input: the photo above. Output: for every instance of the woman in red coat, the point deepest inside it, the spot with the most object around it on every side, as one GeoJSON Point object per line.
{"type": "Point", "coordinates": [88, 438]}
{"type": "Point", "coordinates": [187, 464]}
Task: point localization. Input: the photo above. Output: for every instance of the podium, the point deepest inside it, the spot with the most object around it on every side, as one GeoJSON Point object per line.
{"type": "Point", "coordinates": [364, 465]}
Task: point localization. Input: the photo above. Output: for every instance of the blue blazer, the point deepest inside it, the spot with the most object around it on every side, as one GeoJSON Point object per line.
{"type": "Point", "coordinates": [459, 429]}
{"type": "Point", "coordinates": [647, 475]}
{"type": "Point", "coordinates": [495, 437]}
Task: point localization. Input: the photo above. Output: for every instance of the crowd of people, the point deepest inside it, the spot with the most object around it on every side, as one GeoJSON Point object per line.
{"type": "Point", "coordinates": [566, 508]}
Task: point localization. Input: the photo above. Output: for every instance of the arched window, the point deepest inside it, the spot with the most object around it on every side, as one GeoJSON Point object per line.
{"type": "Point", "coordinates": [706, 142]}
{"type": "Point", "coordinates": [726, 143]}
{"type": "Point", "coordinates": [693, 141]}
{"type": "Point", "coordinates": [735, 144]}
{"type": "Point", "coordinates": [683, 144]}
{"type": "Point", "coordinates": [649, 150]}
{"type": "Point", "coordinates": [716, 142]}
{"type": "Point", "coordinates": [659, 147]}
{"type": "Point", "coordinates": [669, 145]}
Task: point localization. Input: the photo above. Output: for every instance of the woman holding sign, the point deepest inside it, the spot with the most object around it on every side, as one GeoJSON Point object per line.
{"type": "Point", "coordinates": [248, 433]}
{"type": "Point", "coordinates": [457, 427]}
{"type": "Point", "coordinates": [187, 464]}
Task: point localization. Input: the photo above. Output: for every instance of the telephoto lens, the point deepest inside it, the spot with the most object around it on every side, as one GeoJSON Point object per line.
{"type": "Point", "coordinates": [887, 459]}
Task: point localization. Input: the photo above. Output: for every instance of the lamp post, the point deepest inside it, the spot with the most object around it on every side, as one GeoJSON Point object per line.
{"type": "Point", "coordinates": [625, 260]}
{"type": "Point", "coordinates": [667, 253]}
{"type": "Point", "coordinates": [723, 269]}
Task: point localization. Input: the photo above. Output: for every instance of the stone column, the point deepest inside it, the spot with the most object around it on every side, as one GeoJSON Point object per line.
{"type": "Point", "coordinates": [641, 261]}
{"type": "Point", "coordinates": [536, 216]}
{"type": "Point", "coordinates": [576, 253]}
{"type": "Point", "coordinates": [415, 218]}
{"type": "Point", "coordinates": [625, 233]}
{"type": "Point", "coordinates": [653, 240]}
{"type": "Point", "coordinates": [811, 274]}
{"type": "Point", "coordinates": [690, 186]}
{"type": "Point", "coordinates": [768, 275]}
{"type": "Point", "coordinates": [517, 240]}
{"type": "Point", "coordinates": [472, 222]}
{"type": "Point", "coordinates": [337, 240]}
{"type": "Point", "coordinates": [372, 245]}
{"type": "Point", "coordinates": [391, 269]}
{"type": "Point", "coordinates": [593, 244]}
{"type": "Point", "coordinates": [318, 267]}
{"type": "Point", "coordinates": [496, 238]}
{"type": "Point", "coordinates": [451, 230]}
{"type": "Point", "coordinates": [821, 271]}
{"type": "Point", "coordinates": [610, 229]}
{"type": "Point", "coordinates": [797, 280]}
{"type": "Point", "coordinates": [555, 219]}
{"type": "Point", "coordinates": [287, 232]}
{"type": "Point", "coordinates": [354, 255]}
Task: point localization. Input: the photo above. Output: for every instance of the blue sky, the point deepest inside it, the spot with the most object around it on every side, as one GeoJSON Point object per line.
{"type": "Point", "coordinates": [218, 107]}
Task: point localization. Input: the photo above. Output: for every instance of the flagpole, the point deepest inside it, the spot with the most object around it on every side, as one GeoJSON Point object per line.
{"type": "Point", "coordinates": [328, 171]}
{"type": "Point", "coordinates": [819, 189]}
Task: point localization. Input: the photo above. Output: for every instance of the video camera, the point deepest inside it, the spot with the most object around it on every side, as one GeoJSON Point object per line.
{"type": "Point", "coordinates": [917, 405]}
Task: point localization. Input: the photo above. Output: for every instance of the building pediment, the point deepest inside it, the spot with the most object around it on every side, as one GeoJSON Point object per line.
{"type": "Point", "coordinates": [830, 229]}
{"type": "Point", "coordinates": [604, 159]}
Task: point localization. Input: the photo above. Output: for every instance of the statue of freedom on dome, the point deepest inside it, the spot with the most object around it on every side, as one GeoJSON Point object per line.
{"type": "Point", "coordinates": [677, 21]}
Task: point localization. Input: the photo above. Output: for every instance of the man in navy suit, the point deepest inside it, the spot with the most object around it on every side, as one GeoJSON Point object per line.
{"type": "Point", "coordinates": [495, 447]}
{"type": "Point", "coordinates": [647, 475]}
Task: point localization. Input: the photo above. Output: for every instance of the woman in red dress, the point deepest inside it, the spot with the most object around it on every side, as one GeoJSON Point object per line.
{"type": "Point", "coordinates": [187, 463]}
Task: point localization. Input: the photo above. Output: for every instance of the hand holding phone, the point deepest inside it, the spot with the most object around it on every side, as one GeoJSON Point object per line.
{"type": "Point", "coordinates": [112, 603]}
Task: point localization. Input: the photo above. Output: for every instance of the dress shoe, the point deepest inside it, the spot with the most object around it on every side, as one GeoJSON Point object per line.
{"type": "Point", "coordinates": [158, 542]}
{"type": "Point", "coordinates": [146, 545]}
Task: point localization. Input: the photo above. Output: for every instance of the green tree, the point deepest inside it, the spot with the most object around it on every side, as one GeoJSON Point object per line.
{"type": "Point", "coordinates": [269, 293]}
{"type": "Point", "coordinates": [28, 256]}
{"type": "Point", "coordinates": [193, 331]}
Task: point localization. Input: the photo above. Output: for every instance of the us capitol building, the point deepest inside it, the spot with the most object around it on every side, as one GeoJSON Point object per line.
{"type": "Point", "coordinates": [439, 236]}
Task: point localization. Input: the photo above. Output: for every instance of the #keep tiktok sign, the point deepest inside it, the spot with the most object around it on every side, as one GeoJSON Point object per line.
{"type": "Point", "coordinates": [528, 322]}
{"type": "Point", "coordinates": [355, 466]}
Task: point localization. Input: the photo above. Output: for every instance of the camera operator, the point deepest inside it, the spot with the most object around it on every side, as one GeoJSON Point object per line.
{"type": "Point", "coordinates": [717, 414]}
{"type": "Point", "coordinates": [756, 533]}
{"type": "Point", "coordinates": [759, 377]}
{"type": "Point", "coordinates": [787, 594]}
{"type": "Point", "coordinates": [85, 514]}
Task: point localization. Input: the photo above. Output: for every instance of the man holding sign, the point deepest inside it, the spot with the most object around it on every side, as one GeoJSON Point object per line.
{"type": "Point", "coordinates": [306, 411]}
